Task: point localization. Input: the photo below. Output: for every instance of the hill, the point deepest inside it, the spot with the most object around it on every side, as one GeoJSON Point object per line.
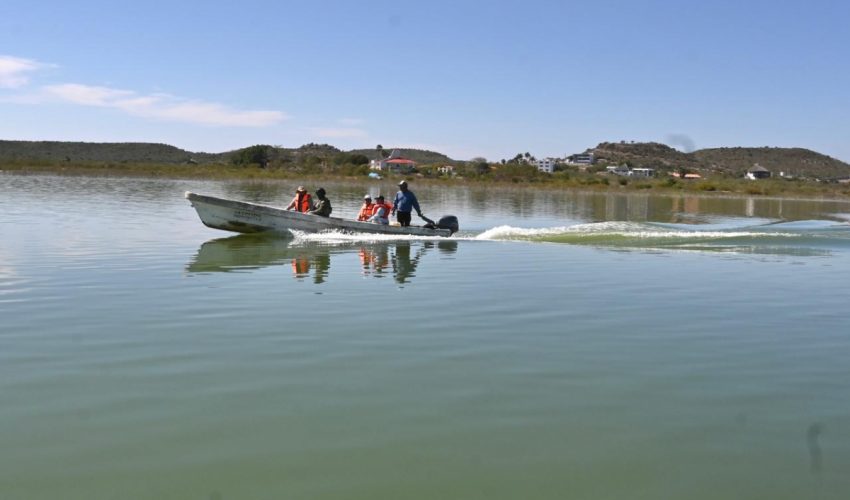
{"type": "Point", "coordinates": [643, 154]}
{"type": "Point", "coordinates": [797, 162]}
{"type": "Point", "coordinates": [326, 152]}
{"type": "Point", "coordinates": [123, 152]}
{"type": "Point", "coordinates": [421, 156]}
{"type": "Point", "coordinates": [140, 152]}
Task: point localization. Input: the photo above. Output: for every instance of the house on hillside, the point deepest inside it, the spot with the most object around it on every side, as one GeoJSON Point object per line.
{"type": "Point", "coordinates": [757, 172]}
{"type": "Point", "coordinates": [581, 159]}
{"type": "Point", "coordinates": [679, 175]}
{"type": "Point", "coordinates": [617, 169]}
{"type": "Point", "coordinates": [642, 172]}
{"type": "Point", "coordinates": [446, 170]}
{"type": "Point", "coordinates": [546, 165]}
{"type": "Point", "coordinates": [393, 163]}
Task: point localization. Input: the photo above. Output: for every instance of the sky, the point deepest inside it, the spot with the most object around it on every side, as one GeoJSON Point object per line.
{"type": "Point", "coordinates": [465, 78]}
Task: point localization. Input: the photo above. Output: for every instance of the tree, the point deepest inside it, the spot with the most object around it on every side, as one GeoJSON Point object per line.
{"type": "Point", "coordinates": [482, 168]}
{"type": "Point", "coordinates": [358, 159]}
{"type": "Point", "coordinates": [350, 159]}
{"type": "Point", "coordinates": [479, 165]}
{"type": "Point", "coordinates": [256, 155]}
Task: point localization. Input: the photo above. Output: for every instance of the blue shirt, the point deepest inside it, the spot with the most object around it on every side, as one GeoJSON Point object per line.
{"type": "Point", "coordinates": [404, 201]}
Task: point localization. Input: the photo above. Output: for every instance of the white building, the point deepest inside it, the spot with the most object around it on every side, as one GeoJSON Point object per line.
{"type": "Point", "coordinates": [395, 163]}
{"type": "Point", "coordinates": [617, 169]}
{"type": "Point", "coordinates": [546, 165]}
{"type": "Point", "coordinates": [581, 159]}
{"type": "Point", "coordinates": [642, 172]}
{"type": "Point", "coordinates": [757, 172]}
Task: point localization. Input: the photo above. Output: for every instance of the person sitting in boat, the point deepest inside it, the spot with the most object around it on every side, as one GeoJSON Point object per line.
{"type": "Point", "coordinates": [381, 212]}
{"type": "Point", "coordinates": [323, 206]}
{"type": "Point", "coordinates": [302, 201]}
{"type": "Point", "coordinates": [367, 208]}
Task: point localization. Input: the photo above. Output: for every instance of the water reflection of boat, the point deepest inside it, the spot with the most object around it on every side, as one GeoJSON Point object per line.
{"type": "Point", "coordinates": [246, 252]}
{"type": "Point", "coordinates": [239, 252]}
{"type": "Point", "coordinates": [243, 217]}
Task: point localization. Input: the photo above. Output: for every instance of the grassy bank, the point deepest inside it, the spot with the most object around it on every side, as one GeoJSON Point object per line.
{"type": "Point", "coordinates": [559, 180]}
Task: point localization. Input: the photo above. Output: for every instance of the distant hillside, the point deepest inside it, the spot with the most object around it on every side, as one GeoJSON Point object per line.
{"type": "Point", "coordinates": [421, 156]}
{"type": "Point", "coordinates": [140, 152]}
{"type": "Point", "coordinates": [326, 151]}
{"type": "Point", "coordinates": [643, 154]}
{"type": "Point", "coordinates": [104, 152]}
{"type": "Point", "coordinates": [796, 162]}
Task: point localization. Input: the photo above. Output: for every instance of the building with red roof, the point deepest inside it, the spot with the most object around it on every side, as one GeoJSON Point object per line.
{"type": "Point", "coordinates": [393, 163]}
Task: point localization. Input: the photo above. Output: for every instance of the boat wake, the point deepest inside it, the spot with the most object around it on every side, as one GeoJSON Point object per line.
{"type": "Point", "coordinates": [804, 238]}
{"type": "Point", "coordinates": [796, 238]}
{"type": "Point", "coordinates": [331, 238]}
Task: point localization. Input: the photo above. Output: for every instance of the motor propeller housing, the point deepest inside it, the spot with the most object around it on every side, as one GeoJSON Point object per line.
{"type": "Point", "coordinates": [448, 222]}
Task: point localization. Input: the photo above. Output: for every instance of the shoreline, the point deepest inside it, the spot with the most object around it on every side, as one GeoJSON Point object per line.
{"type": "Point", "coordinates": [587, 183]}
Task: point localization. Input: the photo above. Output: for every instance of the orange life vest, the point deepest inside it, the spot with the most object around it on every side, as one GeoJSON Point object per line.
{"type": "Point", "coordinates": [387, 209]}
{"type": "Point", "coordinates": [300, 267]}
{"type": "Point", "coordinates": [366, 211]}
{"type": "Point", "coordinates": [386, 206]}
{"type": "Point", "coordinates": [303, 202]}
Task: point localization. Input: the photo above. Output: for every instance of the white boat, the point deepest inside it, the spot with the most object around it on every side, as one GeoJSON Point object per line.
{"type": "Point", "coordinates": [243, 217]}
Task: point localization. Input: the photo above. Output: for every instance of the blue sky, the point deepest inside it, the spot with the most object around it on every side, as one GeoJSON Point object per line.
{"type": "Point", "coordinates": [467, 78]}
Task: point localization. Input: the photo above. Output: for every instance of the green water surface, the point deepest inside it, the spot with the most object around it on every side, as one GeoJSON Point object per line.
{"type": "Point", "coordinates": [564, 345]}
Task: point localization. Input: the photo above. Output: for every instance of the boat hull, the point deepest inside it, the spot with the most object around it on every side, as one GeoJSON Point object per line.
{"type": "Point", "coordinates": [243, 217]}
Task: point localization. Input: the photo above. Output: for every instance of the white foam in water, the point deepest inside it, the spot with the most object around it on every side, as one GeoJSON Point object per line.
{"type": "Point", "coordinates": [337, 237]}
{"type": "Point", "coordinates": [844, 217]}
{"type": "Point", "coordinates": [508, 232]}
{"type": "Point", "coordinates": [612, 228]}
{"type": "Point", "coordinates": [617, 228]}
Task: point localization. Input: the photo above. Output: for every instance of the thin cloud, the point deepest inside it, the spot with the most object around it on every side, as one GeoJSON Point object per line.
{"type": "Point", "coordinates": [163, 106]}
{"type": "Point", "coordinates": [350, 122]}
{"type": "Point", "coordinates": [15, 71]}
{"type": "Point", "coordinates": [88, 95]}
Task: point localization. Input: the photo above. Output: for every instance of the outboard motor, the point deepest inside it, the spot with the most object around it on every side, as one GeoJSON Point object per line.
{"type": "Point", "coordinates": [448, 222]}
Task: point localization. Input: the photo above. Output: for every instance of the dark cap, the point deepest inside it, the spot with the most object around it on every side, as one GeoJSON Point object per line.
{"type": "Point", "coordinates": [402, 183]}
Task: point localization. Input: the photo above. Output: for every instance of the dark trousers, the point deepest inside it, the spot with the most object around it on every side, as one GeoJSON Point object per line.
{"type": "Point", "coordinates": [403, 218]}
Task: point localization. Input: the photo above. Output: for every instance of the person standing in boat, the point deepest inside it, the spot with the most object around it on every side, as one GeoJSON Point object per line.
{"type": "Point", "coordinates": [302, 201]}
{"type": "Point", "coordinates": [381, 212]}
{"type": "Point", "coordinates": [404, 202]}
{"type": "Point", "coordinates": [366, 209]}
{"type": "Point", "coordinates": [323, 206]}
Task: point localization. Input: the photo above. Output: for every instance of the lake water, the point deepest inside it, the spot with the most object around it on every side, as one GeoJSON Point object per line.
{"type": "Point", "coordinates": [563, 345]}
